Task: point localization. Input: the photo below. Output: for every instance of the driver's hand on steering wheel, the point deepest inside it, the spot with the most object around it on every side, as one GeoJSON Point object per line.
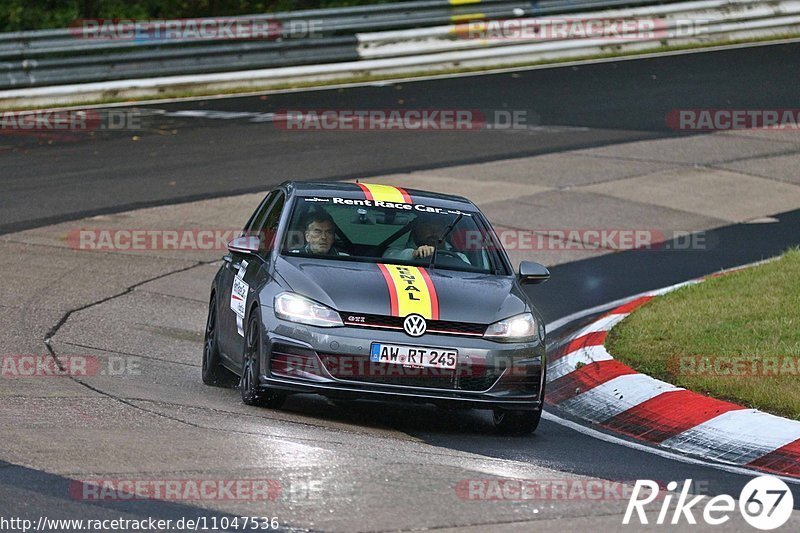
{"type": "Point", "coordinates": [423, 251]}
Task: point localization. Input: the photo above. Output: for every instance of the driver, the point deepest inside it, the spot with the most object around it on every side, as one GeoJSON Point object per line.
{"type": "Point", "coordinates": [425, 233]}
{"type": "Point", "coordinates": [319, 231]}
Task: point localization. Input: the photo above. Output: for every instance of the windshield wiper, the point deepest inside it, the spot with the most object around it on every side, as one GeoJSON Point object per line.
{"type": "Point", "coordinates": [439, 242]}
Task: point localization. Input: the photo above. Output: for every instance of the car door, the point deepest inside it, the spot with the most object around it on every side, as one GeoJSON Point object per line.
{"type": "Point", "coordinates": [232, 264]}
{"type": "Point", "coordinates": [245, 274]}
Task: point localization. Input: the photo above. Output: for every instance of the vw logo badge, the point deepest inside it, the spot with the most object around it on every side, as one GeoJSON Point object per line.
{"type": "Point", "coordinates": [415, 325]}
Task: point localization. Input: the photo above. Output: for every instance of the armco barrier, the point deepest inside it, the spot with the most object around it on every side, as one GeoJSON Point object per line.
{"type": "Point", "coordinates": [53, 67]}
{"type": "Point", "coordinates": [52, 57]}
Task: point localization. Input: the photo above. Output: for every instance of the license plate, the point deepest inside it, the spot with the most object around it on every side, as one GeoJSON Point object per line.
{"type": "Point", "coordinates": [413, 355]}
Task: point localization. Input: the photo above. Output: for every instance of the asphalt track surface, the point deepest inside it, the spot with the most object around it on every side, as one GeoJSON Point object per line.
{"type": "Point", "coordinates": [180, 159]}
{"type": "Point", "coordinates": [596, 105]}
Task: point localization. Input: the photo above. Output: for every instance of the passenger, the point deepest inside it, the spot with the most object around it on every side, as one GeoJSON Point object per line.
{"type": "Point", "coordinates": [426, 230]}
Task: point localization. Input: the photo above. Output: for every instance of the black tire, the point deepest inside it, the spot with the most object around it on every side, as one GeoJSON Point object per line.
{"type": "Point", "coordinates": [214, 373]}
{"type": "Point", "coordinates": [516, 422]}
{"type": "Point", "coordinates": [249, 385]}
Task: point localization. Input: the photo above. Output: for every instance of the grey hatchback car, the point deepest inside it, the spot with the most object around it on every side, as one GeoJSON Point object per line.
{"type": "Point", "coordinates": [361, 291]}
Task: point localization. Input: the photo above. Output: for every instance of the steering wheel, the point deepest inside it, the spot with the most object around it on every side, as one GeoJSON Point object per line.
{"type": "Point", "coordinates": [453, 255]}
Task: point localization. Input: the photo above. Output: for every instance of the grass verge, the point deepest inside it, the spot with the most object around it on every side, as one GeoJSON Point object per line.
{"type": "Point", "coordinates": [735, 337]}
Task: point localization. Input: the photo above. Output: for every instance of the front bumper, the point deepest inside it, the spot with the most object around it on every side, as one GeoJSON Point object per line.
{"type": "Point", "coordinates": [335, 362]}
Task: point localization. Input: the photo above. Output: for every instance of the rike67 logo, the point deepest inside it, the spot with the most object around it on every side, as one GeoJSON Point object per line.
{"type": "Point", "coordinates": [765, 503]}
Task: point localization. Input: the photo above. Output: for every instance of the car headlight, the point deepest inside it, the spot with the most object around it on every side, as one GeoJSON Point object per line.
{"type": "Point", "coordinates": [518, 328]}
{"type": "Point", "coordinates": [296, 308]}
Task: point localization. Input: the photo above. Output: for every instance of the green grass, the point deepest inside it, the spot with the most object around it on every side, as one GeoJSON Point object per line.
{"type": "Point", "coordinates": [16, 15]}
{"type": "Point", "coordinates": [360, 78]}
{"type": "Point", "coordinates": [752, 315]}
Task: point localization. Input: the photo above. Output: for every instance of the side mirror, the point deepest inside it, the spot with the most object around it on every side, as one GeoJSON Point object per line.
{"type": "Point", "coordinates": [531, 273]}
{"type": "Point", "coordinates": [244, 245]}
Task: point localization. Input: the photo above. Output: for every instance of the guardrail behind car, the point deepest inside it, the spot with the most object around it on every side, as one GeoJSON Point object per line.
{"type": "Point", "coordinates": [65, 56]}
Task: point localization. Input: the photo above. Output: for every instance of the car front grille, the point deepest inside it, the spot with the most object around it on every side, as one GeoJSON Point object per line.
{"type": "Point", "coordinates": [474, 378]}
{"type": "Point", "coordinates": [442, 327]}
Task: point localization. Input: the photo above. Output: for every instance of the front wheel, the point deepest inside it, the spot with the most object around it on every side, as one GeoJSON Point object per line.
{"type": "Point", "coordinates": [213, 372]}
{"type": "Point", "coordinates": [249, 383]}
{"type": "Point", "coordinates": [516, 422]}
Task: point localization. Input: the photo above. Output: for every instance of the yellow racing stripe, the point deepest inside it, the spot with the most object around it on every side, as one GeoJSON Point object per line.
{"type": "Point", "coordinates": [385, 193]}
{"type": "Point", "coordinates": [414, 293]}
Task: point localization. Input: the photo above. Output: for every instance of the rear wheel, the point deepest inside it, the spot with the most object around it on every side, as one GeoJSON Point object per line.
{"type": "Point", "coordinates": [510, 422]}
{"type": "Point", "coordinates": [213, 372]}
{"type": "Point", "coordinates": [249, 383]}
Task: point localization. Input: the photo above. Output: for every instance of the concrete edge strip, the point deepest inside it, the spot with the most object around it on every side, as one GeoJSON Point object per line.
{"type": "Point", "coordinates": [585, 381]}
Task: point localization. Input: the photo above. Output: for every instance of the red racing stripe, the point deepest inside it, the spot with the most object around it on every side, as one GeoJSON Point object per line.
{"type": "Point", "coordinates": [366, 190]}
{"type": "Point", "coordinates": [668, 414]}
{"type": "Point", "coordinates": [630, 306]}
{"type": "Point", "coordinates": [596, 338]}
{"type": "Point", "coordinates": [785, 460]}
{"type": "Point", "coordinates": [585, 378]}
{"type": "Point", "coordinates": [406, 196]}
{"type": "Point", "coordinates": [431, 290]}
{"type": "Point", "coordinates": [395, 308]}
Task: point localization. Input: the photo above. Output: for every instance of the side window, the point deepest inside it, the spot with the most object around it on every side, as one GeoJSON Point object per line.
{"type": "Point", "coordinates": [267, 227]}
{"type": "Point", "coordinates": [257, 220]}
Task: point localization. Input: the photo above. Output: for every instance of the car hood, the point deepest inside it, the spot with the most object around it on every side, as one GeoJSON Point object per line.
{"type": "Point", "coordinates": [354, 287]}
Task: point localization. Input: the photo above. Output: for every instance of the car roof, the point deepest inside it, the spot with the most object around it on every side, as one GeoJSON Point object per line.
{"type": "Point", "coordinates": [355, 191]}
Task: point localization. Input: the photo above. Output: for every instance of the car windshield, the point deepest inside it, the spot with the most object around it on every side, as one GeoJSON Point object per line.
{"type": "Point", "coordinates": [358, 230]}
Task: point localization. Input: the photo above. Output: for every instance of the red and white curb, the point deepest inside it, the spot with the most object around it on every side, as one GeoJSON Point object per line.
{"type": "Point", "coordinates": [585, 381]}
